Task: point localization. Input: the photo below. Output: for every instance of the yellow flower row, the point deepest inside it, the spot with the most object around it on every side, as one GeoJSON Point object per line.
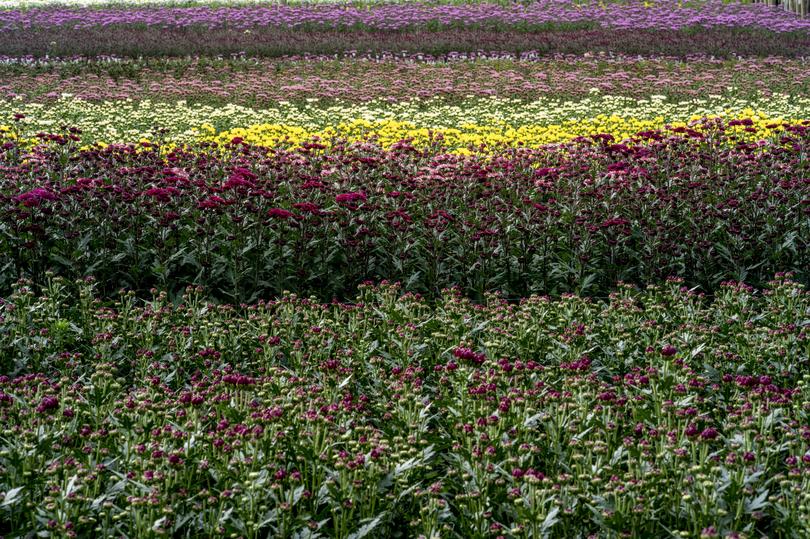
{"type": "Point", "coordinates": [388, 132]}
{"type": "Point", "coordinates": [124, 121]}
{"type": "Point", "coordinates": [511, 127]}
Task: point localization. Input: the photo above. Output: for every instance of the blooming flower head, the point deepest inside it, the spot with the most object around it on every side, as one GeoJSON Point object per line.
{"type": "Point", "coordinates": [349, 199]}
{"type": "Point", "coordinates": [709, 433]}
{"type": "Point", "coordinates": [47, 404]}
{"type": "Point", "coordinates": [469, 355]}
{"type": "Point", "coordinates": [668, 350]}
{"type": "Point", "coordinates": [211, 203]}
{"type": "Point", "coordinates": [35, 197]}
{"type": "Point", "coordinates": [280, 213]}
{"type": "Point", "coordinates": [307, 207]}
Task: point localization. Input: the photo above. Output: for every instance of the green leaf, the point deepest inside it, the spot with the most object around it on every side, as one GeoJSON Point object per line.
{"type": "Point", "coordinates": [550, 520]}
{"type": "Point", "coordinates": [368, 527]}
{"type": "Point", "coordinates": [12, 496]}
{"type": "Point", "coordinates": [757, 503]}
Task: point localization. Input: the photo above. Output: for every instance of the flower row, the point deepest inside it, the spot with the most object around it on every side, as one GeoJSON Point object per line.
{"type": "Point", "coordinates": [566, 418]}
{"type": "Point", "coordinates": [662, 14]}
{"type": "Point", "coordinates": [135, 41]}
{"type": "Point", "coordinates": [50, 4]}
{"type": "Point", "coordinates": [471, 137]}
{"type": "Point", "coordinates": [251, 221]}
{"type": "Point", "coordinates": [488, 121]}
{"type": "Point", "coordinates": [264, 82]}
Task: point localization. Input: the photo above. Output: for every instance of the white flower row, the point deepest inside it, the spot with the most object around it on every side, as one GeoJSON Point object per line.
{"type": "Point", "coordinates": [125, 121]}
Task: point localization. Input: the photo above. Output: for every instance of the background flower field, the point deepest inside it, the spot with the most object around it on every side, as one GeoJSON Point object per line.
{"type": "Point", "coordinates": [397, 269]}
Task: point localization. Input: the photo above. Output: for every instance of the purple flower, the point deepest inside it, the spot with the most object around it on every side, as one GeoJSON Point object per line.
{"type": "Point", "coordinates": [240, 178]}
{"type": "Point", "coordinates": [668, 350]}
{"type": "Point", "coordinates": [307, 207]}
{"type": "Point", "coordinates": [163, 194]}
{"type": "Point", "coordinates": [468, 354]}
{"type": "Point", "coordinates": [212, 203]}
{"type": "Point", "coordinates": [709, 433]}
{"type": "Point", "coordinates": [47, 404]}
{"type": "Point", "coordinates": [706, 533]}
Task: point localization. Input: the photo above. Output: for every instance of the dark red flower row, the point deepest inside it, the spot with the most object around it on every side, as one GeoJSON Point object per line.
{"type": "Point", "coordinates": [250, 221]}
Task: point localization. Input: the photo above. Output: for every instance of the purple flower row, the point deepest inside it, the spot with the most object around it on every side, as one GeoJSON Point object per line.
{"type": "Point", "coordinates": [160, 41]}
{"type": "Point", "coordinates": [665, 14]}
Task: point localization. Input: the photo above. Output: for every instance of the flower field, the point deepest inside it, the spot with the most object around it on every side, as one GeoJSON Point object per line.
{"type": "Point", "coordinates": [400, 269]}
{"type": "Point", "coordinates": [548, 417]}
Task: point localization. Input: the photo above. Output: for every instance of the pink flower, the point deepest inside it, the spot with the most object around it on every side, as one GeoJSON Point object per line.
{"type": "Point", "coordinates": [35, 197]}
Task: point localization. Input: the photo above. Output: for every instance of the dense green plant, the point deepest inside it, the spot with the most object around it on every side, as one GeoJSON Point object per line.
{"type": "Point", "coordinates": [656, 413]}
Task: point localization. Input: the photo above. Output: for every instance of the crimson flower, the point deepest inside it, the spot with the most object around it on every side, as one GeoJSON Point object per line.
{"type": "Point", "coordinates": [354, 197]}
{"type": "Point", "coordinates": [212, 202]}
{"type": "Point", "coordinates": [668, 350]}
{"type": "Point", "coordinates": [35, 197]}
{"type": "Point", "coordinates": [281, 213]}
